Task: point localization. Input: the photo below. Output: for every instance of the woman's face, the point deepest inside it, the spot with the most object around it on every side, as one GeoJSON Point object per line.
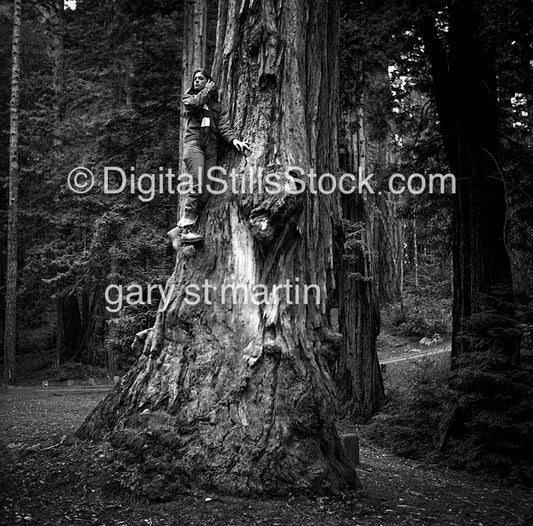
{"type": "Point", "coordinates": [199, 81]}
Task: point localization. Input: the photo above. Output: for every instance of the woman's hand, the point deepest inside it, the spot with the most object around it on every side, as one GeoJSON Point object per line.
{"type": "Point", "coordinates": [241, 146]}
{"type": "Point", "coordinates": [210, 85]}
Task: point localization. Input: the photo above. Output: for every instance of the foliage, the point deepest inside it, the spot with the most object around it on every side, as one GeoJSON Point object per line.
{"type": "Point", "coordinates": [426, 310]}
{"type": "Point", "coordinates": [120, 101]}
{"type": "Point", "coordinates": [73, 371]}
{"type": "Point", "coordinates": [125, 327]}
{"type": "Point", "coordinates": [411, 421]}
{"type": "Point", "coordinates": [490, 425]}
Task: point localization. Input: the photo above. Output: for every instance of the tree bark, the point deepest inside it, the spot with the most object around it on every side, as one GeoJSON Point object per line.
{"type": "Point", "coordinates": [481, 261]}
{"type": "Point", "coordinates": [485, 422]}
{"type": "Point", "coordinates": [466, 97]}
{"type": "Point", "coordinates": [93, 327]}
{"type": "Point", "coordinates": [72, 329]}
{"type": "Point", "coordinates": [387, 241]}
{"type": "Point", "coordinates": [52, 17]}
{"type": "Point", "coordinates": [59, 333]}
{"type": "Point", "coordinates": [10, 336]}
{"type": "Point", "coordinates": [386, 230]}
{"type": "Point", "coordinates": [357, 372]}
{"type": "Point", "coordinates": [237, 395]}
{"type": "Point", "coordinates": [193, 54]}
{"type": "Point", "coordinates": [415, 254]}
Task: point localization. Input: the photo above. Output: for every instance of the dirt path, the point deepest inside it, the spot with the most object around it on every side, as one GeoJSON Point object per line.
{"type": "Point", "coordinates": [393, 348]}
{"type": "Point", "coordinates": [439, 349]}
{"type": "Point", "coordinates": [46, 482]}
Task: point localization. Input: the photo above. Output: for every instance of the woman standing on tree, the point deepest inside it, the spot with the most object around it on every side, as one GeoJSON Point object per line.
{"type": "Point", "coordinates": [207, 120]}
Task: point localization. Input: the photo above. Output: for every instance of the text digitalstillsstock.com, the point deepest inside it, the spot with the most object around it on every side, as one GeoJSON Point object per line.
{"type": "Point", "coordinates": [293, 180]}
{"type": "Point", "coordinates": [117, 296]}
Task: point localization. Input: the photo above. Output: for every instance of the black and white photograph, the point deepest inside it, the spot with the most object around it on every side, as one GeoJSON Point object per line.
{"type": "Point", "coordinates": [266, 262]}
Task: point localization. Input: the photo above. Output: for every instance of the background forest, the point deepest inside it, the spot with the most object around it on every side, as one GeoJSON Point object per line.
{"type": "Point", "coordinates": [100, 85]}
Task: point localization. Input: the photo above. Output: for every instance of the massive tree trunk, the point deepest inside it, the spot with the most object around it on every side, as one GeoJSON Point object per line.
{"type": "Point", "coordinates": [357, 372]}
{"type": "Point", "coordinates": [466, 97]}
{"type": "Point", "coordinates": [481, 261]}
{"type": "Point", "coordinates": [10, 335]}
{"type": "Point", "coordinates": [237, 395]}
{"type": "Point", "coordinates": [487, 415]}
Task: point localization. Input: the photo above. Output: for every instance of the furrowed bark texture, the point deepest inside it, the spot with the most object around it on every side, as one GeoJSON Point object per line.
{"type": "Point", "coordinates": [194, 51]}
{"type": "Point", "coordinates": [465, 87]}
{"type": "Point", "coordinates": [238, 396]}
{"type": "Point", "coordinates": [386, 230]}
{"type": "Point", "coordinates": [487, 422]}
{"type": "Point", "coordinates": [481, 262]}
{"type": "Point", "coordinates": [10, 335]}
{"type": "Point", "coordinates": [357, 371]}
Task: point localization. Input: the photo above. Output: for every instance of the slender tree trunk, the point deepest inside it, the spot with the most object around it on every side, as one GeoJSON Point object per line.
{"type": "Point", "coordinates": [58, 78]}
{"type": "Point", "coordinates": [72, 330]}
{"type": "Point", "coordinates": [52, 16]}
{"type": "Point", "coordinates": [383, 208]}
{"type": "Point", "coordinates": [387, 239]}
{"type": "Point", "coordinates": [69, 329]}
{"type": "Point", "coordinates": [357, 374]}
{"type": "Point", "coordinates": [59, 333]}
{"type": "Point", "coordinates": [111, 343]}
{"type": "Point", "coordinates": [193, 54]}
{"type": "Point", "coordinates": [529, 101]}
{"type": "Point", "coordinates": [237, 394]}
{"type": "Point", "coordinates": [92, 327]}
{"type": "Point", "coordinates": [415, 254]}
{"type": "Point", "coordinates": [10, 336]}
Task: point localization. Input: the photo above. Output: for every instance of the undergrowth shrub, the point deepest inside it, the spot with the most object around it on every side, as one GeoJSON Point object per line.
{"type": "Point", "coordinates": [125, 328]}
{"type": "Point", "coordinates": [422, 314]}
{"type": "Point", "coordinates": [490, 428]}
{"type": "Point", "coordinates": [78, 371]}
{"type": "Point", "coordinates": [410, 424]}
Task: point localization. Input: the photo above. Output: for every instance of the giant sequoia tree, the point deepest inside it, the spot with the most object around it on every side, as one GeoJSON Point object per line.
{"type": "Point", "coordinates": [235, 395]}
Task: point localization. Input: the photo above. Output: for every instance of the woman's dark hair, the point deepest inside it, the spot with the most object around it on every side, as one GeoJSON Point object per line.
{"type": "Point", "coordinates": [208, 76]}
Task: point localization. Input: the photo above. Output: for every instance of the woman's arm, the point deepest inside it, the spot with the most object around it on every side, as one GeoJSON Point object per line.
{"type": "Point", "coordinates": [195, 102]}
{"type": "Point", "coordinates": [224, 127]}
{"type": "Point", "coordinates": [227, 132]}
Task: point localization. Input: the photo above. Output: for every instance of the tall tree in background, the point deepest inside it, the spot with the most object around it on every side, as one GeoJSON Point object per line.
{"type": "Point", "coordinates": [237, 395]}
{"type": "Point", "coordinates": [357, 374]}
{"type": "Point", "coordinates": [357, 371]}
{"type": "Point", "coordinates": [194, 50]}
{"type": "Point", "coordinates": [493, 411]}
{"type": "Point", "coordinates": [193, 57]}
{"type": "Point", "coordinates": [466, 97]}
{"type": "Point", "coordinates": [386, 228]}
{"type": "Point", "coordinates": [68, 328]}
{"type": "Point", "coordinates": [10, 338]}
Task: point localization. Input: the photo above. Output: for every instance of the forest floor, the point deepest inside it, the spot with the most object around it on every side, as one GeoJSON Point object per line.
{"type": "Point", "coordinates": [48, 479]}
{"type": "Point", "coordinates": [393, 348]}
